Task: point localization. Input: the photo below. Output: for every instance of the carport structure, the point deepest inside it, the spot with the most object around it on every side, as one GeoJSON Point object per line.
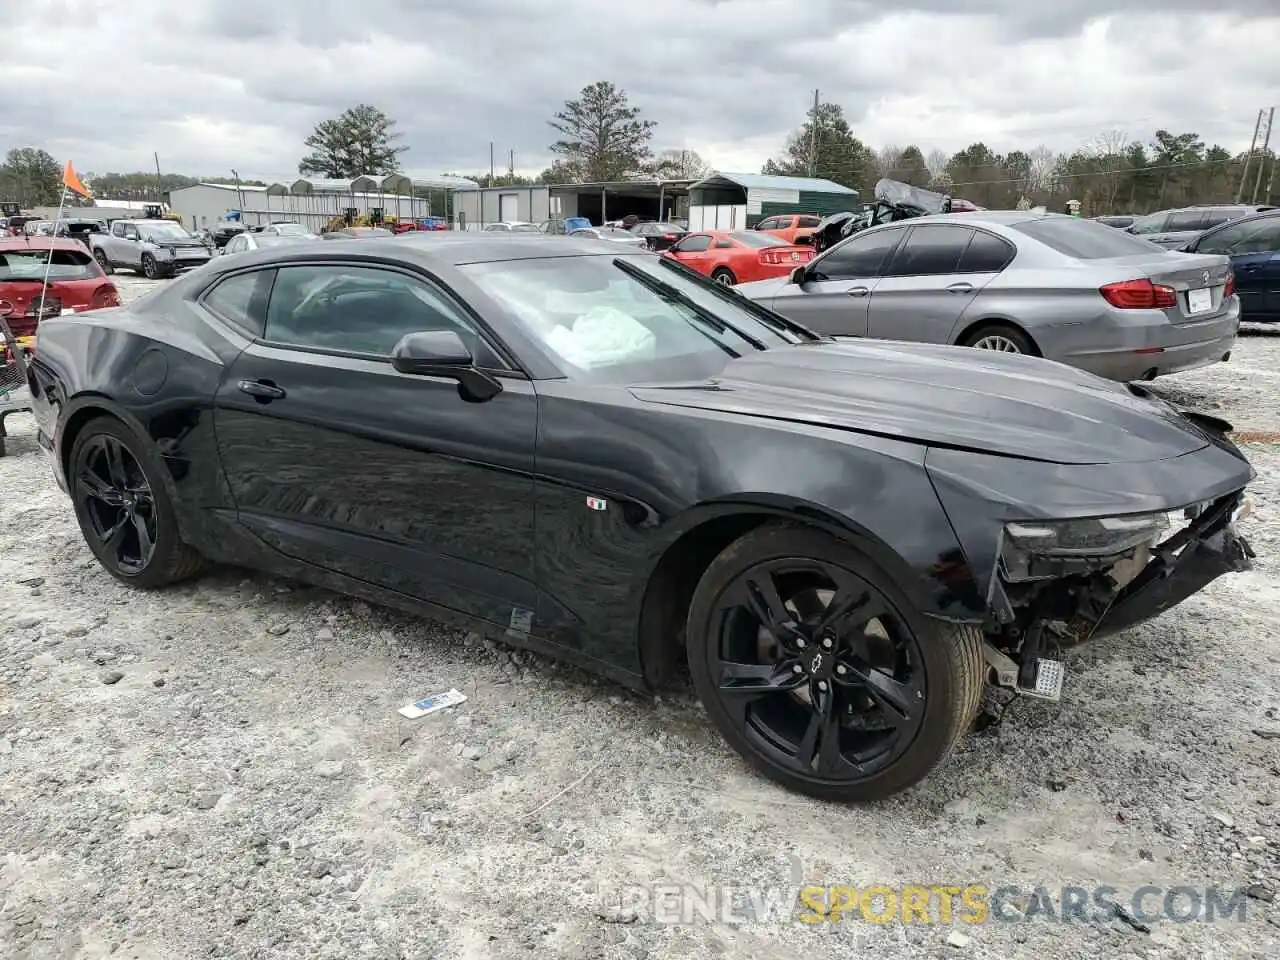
{"type": "Point", "coordinates": [394, 194]}
{"type": "Point", "coordinates": [600, 202]}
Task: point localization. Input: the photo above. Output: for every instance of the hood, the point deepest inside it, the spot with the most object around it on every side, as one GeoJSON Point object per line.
{"type": "Point", "coordinates": [954, 397]}
{"type": "Point", "coordinates": [763, 291]}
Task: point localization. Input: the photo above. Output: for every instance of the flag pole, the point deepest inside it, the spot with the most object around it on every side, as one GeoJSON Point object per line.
{"type": "Point", "coordinates": [48, 264]}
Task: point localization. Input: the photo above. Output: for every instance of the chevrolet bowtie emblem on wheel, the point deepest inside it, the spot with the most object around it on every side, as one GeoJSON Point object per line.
{"type": "Point", "coordinates": [816, 663]}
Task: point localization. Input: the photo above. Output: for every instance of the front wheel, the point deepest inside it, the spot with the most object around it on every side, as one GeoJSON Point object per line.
{"type": "Point", "coordinates": [101, 256]}
{"type": "Point", "coordinates": [150, 270]}
{"type": "Point", "coordinates": [723, 276]}
{"type": "Point", "coordinates": [816, 669]}
{"type": "Point", "coordinates": [124, 509]}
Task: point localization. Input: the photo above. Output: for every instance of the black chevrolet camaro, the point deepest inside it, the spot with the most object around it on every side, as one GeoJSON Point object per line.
{"type": "Point", "coordinates": [602, 457]}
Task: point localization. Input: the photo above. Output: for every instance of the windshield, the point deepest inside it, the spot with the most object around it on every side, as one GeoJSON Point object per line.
{"type": "Point", "coordinates": [163, 231]}
{"type": "Point", "coordinates": [31, 265]}
{"type": "Point", "coordinates": [627, 319]}
{"type": "Point", "coordinates": [1151, 223]}
{"type": "Point", "coordinates": [759, 240]}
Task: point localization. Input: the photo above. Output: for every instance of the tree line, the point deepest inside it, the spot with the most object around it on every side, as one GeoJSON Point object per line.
{"type": "Point", "coordinates": [601, 136]}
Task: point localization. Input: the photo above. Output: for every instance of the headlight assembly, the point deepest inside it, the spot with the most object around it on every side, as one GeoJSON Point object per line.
{"type": "Point", "coordinates": [1044, 550]}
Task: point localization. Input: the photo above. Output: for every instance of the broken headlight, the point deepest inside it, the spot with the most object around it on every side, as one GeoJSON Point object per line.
{"type": "Point", "coordinates": [1045, 550]}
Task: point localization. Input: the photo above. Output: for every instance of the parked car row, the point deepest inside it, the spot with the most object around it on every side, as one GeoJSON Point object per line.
{"type": "Point", "coordinates": [635, 469]}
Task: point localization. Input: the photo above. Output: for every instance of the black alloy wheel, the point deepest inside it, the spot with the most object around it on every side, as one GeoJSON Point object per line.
{"type": "Point", "coordinates": [124, 511]}
{"type": "Point", "coordinates": [810, 663]}
{"type": "Point", "coordinates": [101, 256]}
{"type": "Point", "coordinates": [149, 268]}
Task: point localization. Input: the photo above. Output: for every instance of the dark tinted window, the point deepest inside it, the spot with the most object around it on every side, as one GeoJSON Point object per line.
{"type": "Point", "coordinates": [1252, 236]}
{"type": "Point", "coordinates": [693, 244]}
{"type": "Point", "coordinates": [758, 239]}
{"type": "Point", "coordinates": [1084, 239]}
{"type": "Point", "coordinates": [240, 299]}
{"type": "Point", "coordinates": [1188, 220]}
{"type": "Point", "coordinates": [858, 258]}
{"type": "Point", "coordinates": [770, 224]}
{"type": "Point", "coordinates": [1221, 215]}
{"type": "Point", "coordinates": [928, 251]}
{"type": "Point", "coordinates": [359, 310]}
{"type": "Point", "coordinates": [809, 222]}
{"type": "Point", "coordinates": [986, 254]}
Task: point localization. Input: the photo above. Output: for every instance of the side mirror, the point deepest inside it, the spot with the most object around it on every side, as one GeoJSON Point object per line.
{"type": "Point", "coordinates": [441, 353]}
{"type": "Point", "coordinates": [797, 276]}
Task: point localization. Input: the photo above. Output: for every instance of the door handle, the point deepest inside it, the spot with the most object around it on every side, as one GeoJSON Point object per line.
{"type": "Point", "coordinates": [857, 291]}
{"type": "Point", "coordinates": [263, 390]}
{"type": "Point", "coordinates": [961, 287]}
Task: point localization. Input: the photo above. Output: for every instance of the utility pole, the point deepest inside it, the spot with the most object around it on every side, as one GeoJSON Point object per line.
{"type": "Point", "coordinates": [813, 134]}
{"type": "Point", "coordinates": [239, 192]}
{"type": "Point", "coordinates": [1244, 174]}
{"type": "Point", "coordinates": [491, 163]}
{"type": "Point", "coordinates": [1271, 180]}
{"type": "Point", "coordinates": [1262, 157]}
{"type": "Point", "coordinates": [511, 164]}
{"type": "Point", "coordinates": [159, 180]}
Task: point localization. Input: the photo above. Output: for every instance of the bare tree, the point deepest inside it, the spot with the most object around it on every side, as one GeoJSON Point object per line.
{"type": "Point", "coordinates": [1108, 151]}
{"type": "Point", "coordinates": [887, 157]}
{"type": "Point", "coordinates": [937, 161]}
{"type": "Point", "coordinates": [1040, 171]}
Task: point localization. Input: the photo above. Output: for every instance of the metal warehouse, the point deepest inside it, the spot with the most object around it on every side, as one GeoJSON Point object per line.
{"type": "Point", "coordinates": [598, 202]}
{"type": "Point", "coordinates": [734, 201]}
{"type": "Point", "coordinates": [314, 202]}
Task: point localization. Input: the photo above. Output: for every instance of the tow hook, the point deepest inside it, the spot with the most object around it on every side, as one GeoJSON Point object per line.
{"type": "Point", "coordinates": [1045, 677]}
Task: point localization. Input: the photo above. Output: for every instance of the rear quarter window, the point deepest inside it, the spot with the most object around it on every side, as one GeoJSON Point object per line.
{"type": "Point", "coordinates": [1084, 239]}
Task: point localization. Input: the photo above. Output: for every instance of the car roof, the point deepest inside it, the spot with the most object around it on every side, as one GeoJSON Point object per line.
{"type": "Point", "coordinates": [40, 243]}
{"type": "Point", "coordinates": [433, 251]}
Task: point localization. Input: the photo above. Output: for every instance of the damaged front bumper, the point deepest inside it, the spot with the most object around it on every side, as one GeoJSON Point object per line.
{"type": "Point", "coordinates": [1182, 565]}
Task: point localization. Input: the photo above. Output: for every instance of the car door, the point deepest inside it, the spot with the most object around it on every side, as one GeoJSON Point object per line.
{"type": "Point", "coordinates": [835, 292]}
{"type": "Point", "coordinates": [1181, 226]}
{"type": "Point", "coordinates": [693, 252]}
{"type": "Point", "coordinates": [922, 292]}
{"type": "Point", "coordinates": [1254, 249]}
{"type": "Point", "coordinates": [336, 459]}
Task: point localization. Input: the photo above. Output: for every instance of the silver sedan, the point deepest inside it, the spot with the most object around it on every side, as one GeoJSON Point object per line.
{"type": "Point", "coordinates": [1050, 285]}
{"type": "Point", "coordinates": [614, 234]}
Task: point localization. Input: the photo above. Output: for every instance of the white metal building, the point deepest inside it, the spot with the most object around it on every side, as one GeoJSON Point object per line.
{"type": "Point", "coordinates": [311, 202]}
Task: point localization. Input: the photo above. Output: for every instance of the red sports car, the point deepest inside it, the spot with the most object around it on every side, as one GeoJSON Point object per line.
{"type": "Point", "coordinates": [76, 282]}
{"type": "Point", "coordinates": [739, 256]}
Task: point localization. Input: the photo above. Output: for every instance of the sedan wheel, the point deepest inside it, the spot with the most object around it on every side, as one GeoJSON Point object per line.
{"type": "Point", "coordinates": [810, 664]}
{"type": "Point", "coordinates": [723, 277]}
{"type": "Point", "coordinates": [997, 342]}
{"type": "Point", "coordinates": [124, 511]}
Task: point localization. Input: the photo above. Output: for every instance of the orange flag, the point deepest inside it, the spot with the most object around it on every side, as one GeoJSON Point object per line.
{"type": "Point", "coordinates": [72, 182]}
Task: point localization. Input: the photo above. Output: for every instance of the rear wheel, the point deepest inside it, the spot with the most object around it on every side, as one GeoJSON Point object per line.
{"type": "Point", "coordinates": [1002, 339]}
{"type": "Point", "coordinates": [101, 256]}
{"type": "Point", "coordinates": [723, 276]}
{"type": "Point", "coordinates": [813, 665]}
{"type": "Point", "coordinates": [124, 509]}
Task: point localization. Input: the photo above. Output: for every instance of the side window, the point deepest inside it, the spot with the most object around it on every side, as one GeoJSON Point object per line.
{"type": "Point", "coordinates": [858, 258]}
{"type": "Point", "coordinates": [1214, 218]}
{"type": "Point", "coordinates": [724, 243]}
{"type": "Point", "coordinates": [929, 251]}
{"type": "Point", "coordinates": [1186, 220]}
{"type": "Point", "coordinates": [1264, 240]}
{"type": "Point", "coordinates": [771, 223]}
{"type": "Point", "coordinates": [694, 244]}
{"type": "Point", "coordinates": [986, 253]}
{"type": "Point", "coordinates": [351, 309]}
{"type": "Point", "coordinates": [117, 229]}
{"type": "Point", "coordinates": [1257, 236]}
{"type": "Point", "coordinates": [241, 300]}
{"type": "Point", "coordinates": [807, 222]}
{"type": "Point", "coordinates": [1227, 240]}
{"type": "Point", "coordinates": [1152, 224]}
{"type": "Point", "coordinates": [130, 232]}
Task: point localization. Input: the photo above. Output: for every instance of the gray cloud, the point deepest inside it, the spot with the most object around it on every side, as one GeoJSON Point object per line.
{"type": "Point", "coordinates": [211, 84]}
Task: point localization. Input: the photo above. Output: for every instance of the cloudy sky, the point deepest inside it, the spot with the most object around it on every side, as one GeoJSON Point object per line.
{"type": "Point", "coordinates": [216, 84]}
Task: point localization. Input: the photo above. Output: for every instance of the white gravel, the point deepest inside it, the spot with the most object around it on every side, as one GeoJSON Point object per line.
{"type": "Point", "coordinates": [219, 771]}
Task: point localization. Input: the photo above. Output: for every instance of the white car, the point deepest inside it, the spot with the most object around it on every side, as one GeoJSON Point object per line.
{"type": "Point", "coordinates": [511, 226]}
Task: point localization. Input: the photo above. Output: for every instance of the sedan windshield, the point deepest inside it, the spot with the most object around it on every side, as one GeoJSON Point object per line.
{"type": "Point", "coordinates": [631, 318]}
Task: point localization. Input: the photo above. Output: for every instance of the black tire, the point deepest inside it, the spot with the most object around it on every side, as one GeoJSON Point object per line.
{"type": "Point", "coordinates": [1001, 333]}
{"type": "Point", "coordinates": [150, 269]}
{"type": "Point", "coordinates": [948, 687]}
{"type": "Point", "coordinates": [103, 261]}
{"type": "Point", "coordinates": [723, 276]}
{"type": "Point", "coordinates": [100, 510]}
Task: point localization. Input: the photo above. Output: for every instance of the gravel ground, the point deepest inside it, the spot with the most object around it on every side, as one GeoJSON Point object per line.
{"type": "Point", "coordinates": [219, 771]}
